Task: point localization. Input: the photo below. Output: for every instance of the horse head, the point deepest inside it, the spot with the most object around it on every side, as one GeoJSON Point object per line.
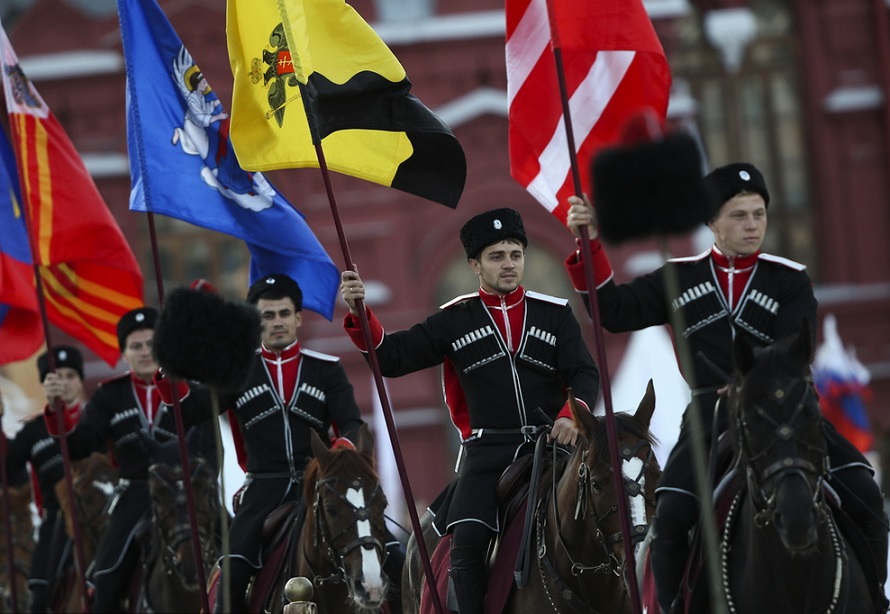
{"type": "Point", "coordinates": [345, 506]}
{"type": "Point", "coordinates": [775, 421]}
{"type": "Point", "coordinates": [171, 533]}
{"type": "Point", "coordinates": [587, 521]}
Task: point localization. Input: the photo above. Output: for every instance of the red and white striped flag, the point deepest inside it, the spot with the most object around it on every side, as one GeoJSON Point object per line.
{"type": "Point", "coordinates": [615, 68]}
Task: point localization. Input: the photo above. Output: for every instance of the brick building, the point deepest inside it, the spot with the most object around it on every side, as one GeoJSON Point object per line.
{"type": "Point", "coordinates": [799, 87]}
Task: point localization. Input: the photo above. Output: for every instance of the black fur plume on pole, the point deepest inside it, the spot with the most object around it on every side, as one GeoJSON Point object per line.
{"type": "Point", "coordinates": [201, 336]}
{"type": "Point", "coordinates": [652, 187]}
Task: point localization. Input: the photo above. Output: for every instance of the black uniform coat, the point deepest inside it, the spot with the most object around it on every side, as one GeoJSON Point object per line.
{"type": "Point", "coordinates": [778, 295]}
{"type": "Point", "coordinates": [114, 416]}
{"type": "Point", "coordinates": [276, 435]}
{"type": "Point", "coordinates": [502, 390]}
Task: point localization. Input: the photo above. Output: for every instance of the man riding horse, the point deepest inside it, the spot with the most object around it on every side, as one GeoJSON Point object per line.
{"type": "Point", "coordinates": [731, 289]}
{"type": "Point", "coordinates": [505, 353]}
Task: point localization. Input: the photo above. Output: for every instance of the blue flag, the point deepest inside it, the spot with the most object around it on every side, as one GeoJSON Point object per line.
{"type": "Point", "coordinates": [182, 163]}
{"type": "Point", "coordinates": [21, 330]}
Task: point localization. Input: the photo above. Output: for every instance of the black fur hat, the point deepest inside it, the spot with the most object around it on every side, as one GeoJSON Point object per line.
{"type": "Point", "coordinates": [203, 337]}
{"type": "Point", "coordinates": [275, 286]}
{"type": "Point", "coordinates": [491, 227]}
{"type": "Point", "coordinates": [63, 356]}
{"type": "Point", "coordinates": [137, 319]}
{"type": "Point", "coordinates": [651, 187]}
{"type": "Point", "coordinates": [727, 181]}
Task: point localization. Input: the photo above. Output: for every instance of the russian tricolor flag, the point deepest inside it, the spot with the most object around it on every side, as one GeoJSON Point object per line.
{"type": "Point", "coordinates": [842, 382]}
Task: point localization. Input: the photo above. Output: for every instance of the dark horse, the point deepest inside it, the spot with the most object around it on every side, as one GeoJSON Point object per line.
{"type": "Point", "coordinates": [780, 536]}
{"type": "Point", "coordinates": [94, 480]}
{"type": "Point", "coordinates": [578, 558]}
{"type": "Point", "coordinates": [341, 545]}
{"type": "Point", "coordinates": [22, 548]}
{"type": "Point", "coordinates": [170, 580]}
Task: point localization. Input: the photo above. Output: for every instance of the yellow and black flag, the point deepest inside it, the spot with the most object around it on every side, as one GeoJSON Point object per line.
{"type": "Point", "coordinates": [307, 70]}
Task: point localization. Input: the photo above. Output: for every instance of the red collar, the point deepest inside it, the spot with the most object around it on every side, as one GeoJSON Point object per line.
{"type": "Point", "coordinates": [510, 300]}
{"type": "Point", "coordinates": [139, 382]}
{"type": "Point", "coordinates": [291, 351]}
{"type": "Point", "coordinates": [739, 262]}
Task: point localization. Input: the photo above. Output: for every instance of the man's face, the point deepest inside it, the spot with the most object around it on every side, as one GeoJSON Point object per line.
{"type": "Point", "coordinates": [740, 225]}
{"type": "Point", "coordinates": [72, 385]}
{"type": "Point", "coordinates": [500, 267]}
{"type": "Point", "coordinates": [281, 321]}
{"type": "Point", "coordinates": [137, 353]}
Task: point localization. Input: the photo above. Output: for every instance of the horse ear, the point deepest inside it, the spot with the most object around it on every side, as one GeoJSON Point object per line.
{"type": "Point", "coordinates": [319, 450]}
{"type": "Point", "coordinates": [583, 418]}
{"type": "Point", "coordinates": [743, 352]}
{"type": "Point", "coordinates": [643, 415]}
{"type": "Point", "coordinates": [365, 443]}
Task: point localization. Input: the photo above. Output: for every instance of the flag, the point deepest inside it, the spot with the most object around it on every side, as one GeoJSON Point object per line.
{"type": "Point", "coordinates": [387, 468]}
{"type": "Point", "coordinates": [183, 165]}
{"type": "Point", "coordinates": [21, 331]}
{"type": "Point", "coordinates": [843, 385]}
{"type": "Point", "coordinates": [293, 55]}
{"type": "Point", "coordinates": [614, 69]}
{"type": "Point", "coordinates": [90, 277]}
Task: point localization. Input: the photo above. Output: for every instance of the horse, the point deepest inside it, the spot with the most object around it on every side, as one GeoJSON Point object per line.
{"type": "Point", "coordinates": [340, 545]}
{"type": "Point", "coordinates": [170, 578]}
{"type": "Point", "coordinates": [780, 534]}
{"type": "Point", "coordinates": [93, 480]}
{"type": "Point", "coordinates": [579, 559]}
{"type": "Point", "coordinates": [22, 548]}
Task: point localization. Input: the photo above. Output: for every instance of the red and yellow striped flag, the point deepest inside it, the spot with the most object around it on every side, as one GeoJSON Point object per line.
{"type": "Point", "coordinates": [90, 276]}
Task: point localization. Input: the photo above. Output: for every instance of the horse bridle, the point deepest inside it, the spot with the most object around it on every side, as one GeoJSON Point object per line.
{"type": "Point", "coordinates": [633, 487]}
{"type": "Point", "coordinates": [182, 532]}
{"type": "Point", "coordinates": [784, 431]}
{"type": "Point", "coordinates": [322, 534]}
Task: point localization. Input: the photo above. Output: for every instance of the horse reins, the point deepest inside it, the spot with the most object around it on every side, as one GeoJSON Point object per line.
{"type": "Point", "coordinates": [322, 534]}
{"type": "Point", "coordinates": [632, 488]}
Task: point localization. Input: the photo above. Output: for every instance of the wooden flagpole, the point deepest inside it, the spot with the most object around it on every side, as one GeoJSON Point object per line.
{"type": "Point", "coordinates": [611, 428]}
{"type": "Point", "coordinates": [381, 389]}
{"type": "Point", "coordinates": [180, 436]}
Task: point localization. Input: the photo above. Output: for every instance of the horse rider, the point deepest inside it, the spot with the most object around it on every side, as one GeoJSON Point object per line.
{"type": "Point", "coordinates": [128, 413]}
{"type": "Point", "coordinates": [731, 289]}
{"type": "Point", "coordinates": [33, 444]}
{"type": "Point", "coordinates": [505, 351]}
{"type": "Point", "coordinates": [291, 390]}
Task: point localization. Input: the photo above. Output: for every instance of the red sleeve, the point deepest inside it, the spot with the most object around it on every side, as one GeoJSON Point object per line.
{"type": "Point", "coordinates": [165, 388]}
{"type": "Point", "coordinates": [602, 269]}
{"type": "Point", "coordinates": [51, 421]}
{"type": "Point", "coordinates": [455, 399]}
{"type": "Point", "coordinates": [238, 439]}
{"type": "Point", "coordinates": [566, 411]}
{"type": "Point", "coordinates": [353, 329]}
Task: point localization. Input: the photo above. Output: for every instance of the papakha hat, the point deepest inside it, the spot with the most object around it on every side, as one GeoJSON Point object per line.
{"type": "Point", "coordinates": [275, 286]}
{"type": "Point", "coordinates": [137, 319]}
{"type": "Point", "coordinates": [727, 181]}
{"type": "Point", "coordinates": [63, 356]}
{"type": "Point", "coordinates": [491, 227]}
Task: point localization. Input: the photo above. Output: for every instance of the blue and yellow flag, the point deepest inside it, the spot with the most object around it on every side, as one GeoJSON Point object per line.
{"type": "Point", "coordinates": [183, 165]}
{"type": "Point", "coordinates": [302, 63]}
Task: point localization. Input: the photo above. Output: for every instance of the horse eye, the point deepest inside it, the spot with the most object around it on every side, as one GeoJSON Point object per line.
{"type": "Point", "coordinates": [597, 487]}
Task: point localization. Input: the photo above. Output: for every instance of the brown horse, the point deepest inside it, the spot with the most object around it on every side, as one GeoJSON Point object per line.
{"type": "Point", "coordinates": [578, 558]}
{"type": "Point", "coordinates": [22, 548]}
{"type": "Point", "coordinates": [341, 545]}
{"type": "Point", "coordinates": [94, 480]}
{"type": "Point", "coordinates": [171, 571]}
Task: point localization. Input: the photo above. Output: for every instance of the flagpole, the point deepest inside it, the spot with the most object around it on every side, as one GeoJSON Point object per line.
{"type": "Point", "coordinates": [7, 524]}
{"type": "Point", "coordinates": [381, 389]}
{"type": "Point", "coordinates": [59, 411]}
{"type": "Point", "coordinates": [611, 428]}
{"type": "Point", "coordinates": [180, 435]}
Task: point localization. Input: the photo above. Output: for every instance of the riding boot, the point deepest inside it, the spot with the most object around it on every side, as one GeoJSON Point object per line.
{"type": "Point", "coordinates": [668, 551]}
{"type": "Point", "coordinates": [468, 576]}
{"type": "Point", "coordinates": [392, 567]}
{"type": "Point", "coordinates": [38, 600]}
